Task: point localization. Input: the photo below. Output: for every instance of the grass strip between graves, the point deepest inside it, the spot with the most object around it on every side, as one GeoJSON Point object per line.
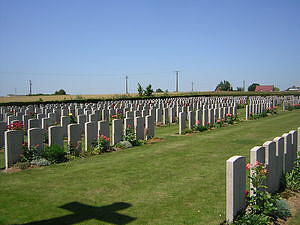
{"type": "Point", "coordinates": [180, 180]}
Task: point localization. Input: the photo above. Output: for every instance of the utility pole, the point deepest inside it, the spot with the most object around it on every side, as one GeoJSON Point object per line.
{"type": "Point", "coordinates": [244, 85]}
{"type": "Point", "coordinates": [126, 84]}
{"type": "Point", "coordinates": [30, 85]}
{"type": "Point", "coordinates": [177, 74]}
{"type": "Point", "coordinates": [192, 86]}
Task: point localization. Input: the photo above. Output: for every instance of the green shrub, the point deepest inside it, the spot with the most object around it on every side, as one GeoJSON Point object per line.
{"type": "Point", "coordinates": [297, 106]}
{"type": "Point", "coordinates": [241, 106]}
{"type": "Point", "coordinates": [230, 118]}
{"type": "Point", "coordinates": [124, 144]}
{"type": "Point", "coordinates": [102, 144]}
{"type": "Point", "coordinates": [262, 206]}
{"type": "Point", "coordinates": [46, 137]}
{"type": "Point", "coordinates": [130, 137]}
{"type": "Point", "coordinates": [251, 219]}
{"type": "Point", "coordinates": [41, 162]}
{"type": "Point", "coordinates": [31, 153]}
{"type": "Point", "coordinates": [290, 108]}
{"type": "Point", "coordinates": [292, 179]}
{"type": "Point", "coordinates": [22, 165]}
{"type": "Point", "coordinates": [72, 118]}
{"type": "Point", "coordinates": [199, 127]}
{"type": "Point", "coordinates": [55, 154]}
{"type": "Point", "coordinates": [186, 131]}
{"type": "Point", "coordinates": [264, 114]}
{"type": "Point", "coordinates": [261, 202]}
{"type": "Point", "coordinates": [74, 149]}
{"type": "Point", "coordinates": [282, 210]}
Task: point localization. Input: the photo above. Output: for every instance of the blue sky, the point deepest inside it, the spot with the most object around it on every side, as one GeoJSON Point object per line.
{"type": "Point", "coordinates": [89, 46]}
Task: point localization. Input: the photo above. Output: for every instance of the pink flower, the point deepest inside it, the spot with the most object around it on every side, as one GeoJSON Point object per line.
{"type": "Point", "coordinates": [218, 121]}
{"type": "Point", "coordinates": [248, 166]}
{"type": "Point", "coordinates": [257, 163]}
{"type": "Point", "coordinates": [198, 122]}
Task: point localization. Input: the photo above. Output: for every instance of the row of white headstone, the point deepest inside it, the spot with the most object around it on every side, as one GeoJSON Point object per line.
{"type": "Point", "coordinates": [257, 108]}
{"type": "Point", "coordinates": [53, 115]}
{"type": "Point", "coordinates": [143, 128]}
{"type": "Point", "coordinates": [202, 109]}
{"type": "Point", "coordinates": [278, 155]}
{"type": "Point", "coordinates": [204, 116]}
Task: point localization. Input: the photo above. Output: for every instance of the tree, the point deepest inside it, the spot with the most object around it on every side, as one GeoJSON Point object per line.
{"type": "Point", "coordinates": [240, 89]}
{"type": "Point", "coordinates": [140, 90]}
{"type": "Point", "coordinates": [158, 90]}
{"type": "Point", "coordinates": [224, 86]}
{"type": "Point", "coordinates": [276, 89]}
{"type": "Point", "coordinates": [253, 86]}
{"type": "Point", "coordinates": [60, 92]}
{"type": "Point", "coordinates": [149, 91]}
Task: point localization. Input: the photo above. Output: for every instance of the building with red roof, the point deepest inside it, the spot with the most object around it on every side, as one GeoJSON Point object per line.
{"type": "Point", "coordinates": [264, 88]}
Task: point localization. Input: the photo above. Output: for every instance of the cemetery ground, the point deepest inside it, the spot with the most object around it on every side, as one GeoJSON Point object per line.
{"type": "Point", "coordinates": [179, 180]}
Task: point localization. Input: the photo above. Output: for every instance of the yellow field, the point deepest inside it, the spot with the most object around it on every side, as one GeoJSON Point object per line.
{"type": "Point", "coordinates": [43, 98]}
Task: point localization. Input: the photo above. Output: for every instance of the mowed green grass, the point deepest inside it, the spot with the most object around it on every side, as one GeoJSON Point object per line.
{"type": "Point", "coordinates": [180, 180]}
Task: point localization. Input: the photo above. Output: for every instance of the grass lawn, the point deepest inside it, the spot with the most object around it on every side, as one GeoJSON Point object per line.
{"type": "Point", "coordinates": [180, 180]}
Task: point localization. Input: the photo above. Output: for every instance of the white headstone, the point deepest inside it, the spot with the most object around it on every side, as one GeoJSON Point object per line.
{"type": "Point", "coordinates": [13, 146]}
{"type": "Point", "coordinates": [56, 136]}
{"type": "Point", "coordinates": [36, 138]}
{"type": "Point", "coordinates": [235, 186]}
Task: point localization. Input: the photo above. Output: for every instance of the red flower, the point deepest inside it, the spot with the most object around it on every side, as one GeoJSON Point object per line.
{"type": "Point", "coordinates": [246, 193]}
{"type": "Point", "coordinates": [248, 166]}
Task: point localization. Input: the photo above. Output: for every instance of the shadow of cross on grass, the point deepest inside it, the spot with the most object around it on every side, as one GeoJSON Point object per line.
{"type": "Point", "coordinates": [82, 212]}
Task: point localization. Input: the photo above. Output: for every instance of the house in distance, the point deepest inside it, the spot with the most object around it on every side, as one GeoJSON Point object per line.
{"type": "Point", "coordinates": [264, 88]}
